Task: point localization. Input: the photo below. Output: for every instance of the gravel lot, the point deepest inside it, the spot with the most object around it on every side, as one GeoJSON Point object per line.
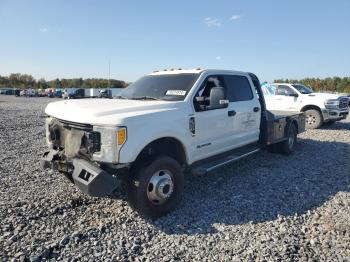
{"type": "Point", "coordinates": [268, 207]}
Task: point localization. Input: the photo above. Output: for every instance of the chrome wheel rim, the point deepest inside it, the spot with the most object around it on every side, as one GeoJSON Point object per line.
{"type": "Point", "coordinates": [311, 119]}
{"type": "Point", "coordinates": [160, 187]}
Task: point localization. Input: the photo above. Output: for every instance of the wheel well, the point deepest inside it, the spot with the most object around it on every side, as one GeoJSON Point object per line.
{"type": "Point", "coordinates": [309, 107]}
{"type": "Point", "coordinates": [167, 146]}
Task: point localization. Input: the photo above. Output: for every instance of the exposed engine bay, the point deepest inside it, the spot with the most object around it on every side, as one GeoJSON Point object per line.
{"type": "Point", "coordinates": [73, 139]}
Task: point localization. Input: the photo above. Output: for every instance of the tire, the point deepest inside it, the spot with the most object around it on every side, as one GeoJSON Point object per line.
{"type": "Point", "coordinates": [313, 119]}
{"type": "Point", "coordinates": [156, 189]}
{"type": "Point", "coordinates": [329, 123]}
{"type": "Point", "coordinates": [287, 147]}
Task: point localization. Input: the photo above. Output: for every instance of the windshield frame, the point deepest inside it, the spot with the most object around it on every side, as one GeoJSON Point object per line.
{"type": "Point", "coordinates": [188, 86]}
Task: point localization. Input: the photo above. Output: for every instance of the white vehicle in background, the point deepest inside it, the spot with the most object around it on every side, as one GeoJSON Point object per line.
{"type": "Point", "coordinates": [92, 92]}
{"type": "Point", "coordinates": [65, 94]}
{"type": "Point", "coordinates": [32, 92]}
{"type": "Point", "coordinates": [110, 92]}
{"type": "Point", "coordinates": [75, 93]}
{"type": "Point", "coordinates": [319, 108]}
{"type": "Point", "coordinates": [23, 92]}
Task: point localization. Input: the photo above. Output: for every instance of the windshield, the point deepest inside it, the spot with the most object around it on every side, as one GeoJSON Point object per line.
{"type": "Point", "coordinates": [303, 89]}
{"type": "Point", "coordinates": [160, 87]}
{"type": "Point", "coordinates": [268, 89]}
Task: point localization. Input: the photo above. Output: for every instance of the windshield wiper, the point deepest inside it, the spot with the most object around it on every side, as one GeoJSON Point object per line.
{"type": "Point", "coordinates": [145, 98]}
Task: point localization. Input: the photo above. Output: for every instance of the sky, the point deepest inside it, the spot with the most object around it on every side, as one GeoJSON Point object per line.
{"type": "Point", "coordinates": [271, 38]}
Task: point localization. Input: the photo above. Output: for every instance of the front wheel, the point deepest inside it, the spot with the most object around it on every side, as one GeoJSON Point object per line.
{"type": "Point", "coordinates": [313, 119]}
{"type": "Point", "coordinates": [156, 189]}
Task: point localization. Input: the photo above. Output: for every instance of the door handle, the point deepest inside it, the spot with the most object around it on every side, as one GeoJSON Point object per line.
{"type": "Point", "coordinates": [256, 109]}
{"type": "Point", "coordinates": [231, 113]}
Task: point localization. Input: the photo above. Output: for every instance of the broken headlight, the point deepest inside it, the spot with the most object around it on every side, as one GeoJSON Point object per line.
{"type": "Point", "coordinates": [93, 141]}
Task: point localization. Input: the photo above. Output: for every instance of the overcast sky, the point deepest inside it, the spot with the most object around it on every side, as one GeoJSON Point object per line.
{"type": "Point", "coordinates": [274, 39]}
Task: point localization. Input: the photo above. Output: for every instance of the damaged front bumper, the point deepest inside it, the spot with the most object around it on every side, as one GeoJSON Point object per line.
{"type": "Point", "coordinates": [88, 177]}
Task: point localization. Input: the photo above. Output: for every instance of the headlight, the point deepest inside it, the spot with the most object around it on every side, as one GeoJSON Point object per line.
{"type": "Point", "coordinates": [332, 104]}
{"type": "Point", "coordinates": [94, 141]}
{"type": "Point", "coordinates": [111, 141]}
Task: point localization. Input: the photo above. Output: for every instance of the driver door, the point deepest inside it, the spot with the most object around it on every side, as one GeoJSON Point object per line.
{"type": "Point", "coordinates": [213, 130]}
{"type": "Point", "coordinates": [285, 98]}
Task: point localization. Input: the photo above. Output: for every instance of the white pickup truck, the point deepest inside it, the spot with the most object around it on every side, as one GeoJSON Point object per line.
{"type": "Point", "coordinates": [161, 127]}
{"type": "Point", "coordinates": [319, 108]}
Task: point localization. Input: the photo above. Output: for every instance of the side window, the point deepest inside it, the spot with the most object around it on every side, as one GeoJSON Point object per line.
{"type": "Point", "coordinates": [204, 91]}
{"type": "Point", "coordinates": [238, 88]}
{"type": "Point", "coordinates": [283, 90]}
{"type": "Point", "coordinates": [208, 84]}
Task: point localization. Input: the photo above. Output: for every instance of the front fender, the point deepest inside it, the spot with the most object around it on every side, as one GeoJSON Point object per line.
{"type": "Point", "coordinates": [142, 133]}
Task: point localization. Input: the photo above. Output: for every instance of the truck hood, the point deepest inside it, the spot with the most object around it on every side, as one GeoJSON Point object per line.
{"type": "Point", "coordinates": [106, 112]}
{"type": "Point", "coordinates": [323, 96]}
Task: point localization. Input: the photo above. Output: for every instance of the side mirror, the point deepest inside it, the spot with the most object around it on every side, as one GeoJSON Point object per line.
{"type": "Point", "coordinates": [294, 94]}
{"type": "Point", "coordinates": [217, 98]}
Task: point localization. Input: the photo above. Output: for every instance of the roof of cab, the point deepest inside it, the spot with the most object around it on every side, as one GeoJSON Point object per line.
{"type": "Point", "coordinates": [194, 71]}
{"type": "Point", "coordinates": [177, 71]}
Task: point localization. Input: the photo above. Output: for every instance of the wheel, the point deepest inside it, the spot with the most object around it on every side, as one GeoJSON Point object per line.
{"type": "Point", "coordinates": [156, 189]}
{"type": "Point", "coordinates": [329, 123]}
{"type": "Point", "coordinates": [313, 119]}
{"type": "Point", "coordinates": [287, 146]}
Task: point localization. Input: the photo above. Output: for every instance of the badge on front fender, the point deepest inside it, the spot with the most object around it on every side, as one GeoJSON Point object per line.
{"type": "Point", "coordinates": [192, 126]}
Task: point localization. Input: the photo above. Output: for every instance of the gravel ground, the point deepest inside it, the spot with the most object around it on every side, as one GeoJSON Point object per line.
{"type": "Point", "coordinates": [267, 207]}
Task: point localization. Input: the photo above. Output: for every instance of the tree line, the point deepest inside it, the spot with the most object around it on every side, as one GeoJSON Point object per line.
{"type": "Point", "coordinates": [332, 84]}
{"type": "Point", "coordinates": [25, 81]}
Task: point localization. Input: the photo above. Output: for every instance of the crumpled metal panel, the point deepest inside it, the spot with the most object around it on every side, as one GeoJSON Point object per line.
{"type": "Point", "coordinates": [72, 142]}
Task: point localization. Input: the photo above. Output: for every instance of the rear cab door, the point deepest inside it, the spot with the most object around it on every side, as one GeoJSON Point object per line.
{"type": "Point", "coordinates": [244, 109]}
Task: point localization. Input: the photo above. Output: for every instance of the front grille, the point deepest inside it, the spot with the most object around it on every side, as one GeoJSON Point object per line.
{"type": "Point", "coordinates": [343, 102]}
{"type": "Point", "coordinates": [61, 130]}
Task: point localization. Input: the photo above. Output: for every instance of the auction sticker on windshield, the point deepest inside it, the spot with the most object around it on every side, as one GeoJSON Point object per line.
{"type": "Point", "coordinates": [175, 93]}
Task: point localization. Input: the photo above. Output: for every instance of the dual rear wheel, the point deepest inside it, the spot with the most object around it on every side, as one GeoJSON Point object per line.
{"type": "Point", "coordinates": [287, 146]}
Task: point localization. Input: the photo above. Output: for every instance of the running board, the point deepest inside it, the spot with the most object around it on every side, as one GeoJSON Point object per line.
{"type": "Point", "coordinates": [209, 165]}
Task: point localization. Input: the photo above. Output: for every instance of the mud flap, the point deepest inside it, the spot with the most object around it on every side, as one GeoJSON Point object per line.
{"type": "Point", "coordinates": [92, 180]}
